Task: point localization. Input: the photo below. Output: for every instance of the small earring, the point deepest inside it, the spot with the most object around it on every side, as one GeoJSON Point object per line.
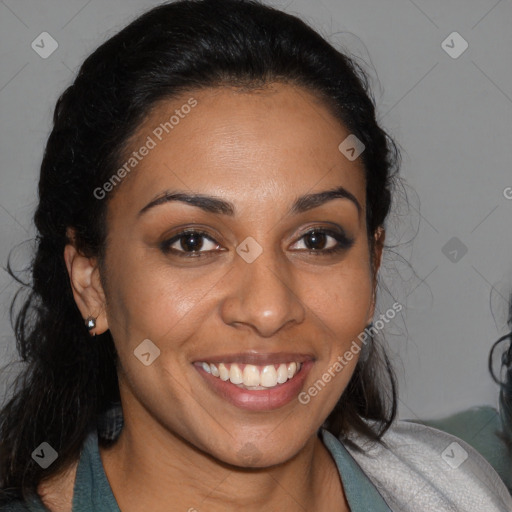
{"type": "Point", "coordinates": [90, 323]}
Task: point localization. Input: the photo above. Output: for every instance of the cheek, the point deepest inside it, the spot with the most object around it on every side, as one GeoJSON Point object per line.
{"type": "Point", "coordinates": [342, 301]}
{"type": "Point", "coordinates": [341, 306]}
{"type": "Point", "coordinates": [167, 306]}
{"type": "Point", "coordinates": [152, 300]}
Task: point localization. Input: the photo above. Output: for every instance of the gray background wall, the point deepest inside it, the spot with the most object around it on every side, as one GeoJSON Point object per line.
{"type": "Point", "coordinates": [451, 116]}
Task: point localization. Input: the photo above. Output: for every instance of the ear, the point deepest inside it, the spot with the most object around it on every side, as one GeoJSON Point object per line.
{"type": "Point", "coordinates": [378, 247]}
{"type": "Point", "coordinates": [86, 285]}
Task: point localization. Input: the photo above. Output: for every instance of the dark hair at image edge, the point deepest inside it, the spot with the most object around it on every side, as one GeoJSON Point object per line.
{"type": "Point", "coordinates": [69, 378]}
{"type": "Point", "coordinates": [505, 398]}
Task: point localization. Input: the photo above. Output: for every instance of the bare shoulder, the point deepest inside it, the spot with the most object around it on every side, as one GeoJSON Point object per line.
{"type": "Point", "coordinates": [57, 491]}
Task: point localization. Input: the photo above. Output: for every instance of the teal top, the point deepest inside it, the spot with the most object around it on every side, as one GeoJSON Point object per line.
{"type": "Point", "coordinates": [92, 491]}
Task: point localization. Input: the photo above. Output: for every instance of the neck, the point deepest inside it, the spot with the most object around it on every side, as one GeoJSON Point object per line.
{"type": "Point", "coordinates": [150, 468]}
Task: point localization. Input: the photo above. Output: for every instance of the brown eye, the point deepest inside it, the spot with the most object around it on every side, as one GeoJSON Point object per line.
{"type": "Point", "coordinates": [323, 241]}
{"type": "Point", "coordinates": [315, 240]}
{"type": "Point", "coordinates": [191, 243]}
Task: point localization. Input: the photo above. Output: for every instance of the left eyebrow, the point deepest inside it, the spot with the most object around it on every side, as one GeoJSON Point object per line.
{"type": "Point", "coordinates": [219, 206]}
{"type": "Point", "coordinates": [310, 201]}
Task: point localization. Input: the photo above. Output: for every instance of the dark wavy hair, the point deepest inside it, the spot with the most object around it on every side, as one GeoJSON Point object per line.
{"type": "Point", "coordinates": [68, 382]}
{"type": "Point", "coordinates": [505, 383]}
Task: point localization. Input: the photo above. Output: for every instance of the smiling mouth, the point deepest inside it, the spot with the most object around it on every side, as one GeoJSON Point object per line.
{"type": "Point", "coordinates": [252, 377]}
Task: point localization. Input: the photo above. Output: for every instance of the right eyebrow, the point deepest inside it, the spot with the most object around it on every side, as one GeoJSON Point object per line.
{"type": "Point", "coordinates": [207, 203]}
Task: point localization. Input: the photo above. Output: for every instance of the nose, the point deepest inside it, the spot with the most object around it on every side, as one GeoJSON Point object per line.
{"type": "Point", "coordinates": [262, 297]}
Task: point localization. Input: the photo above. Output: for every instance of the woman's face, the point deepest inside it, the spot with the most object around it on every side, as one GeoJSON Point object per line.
{"type": "Point", "coordinates": [268, 274]}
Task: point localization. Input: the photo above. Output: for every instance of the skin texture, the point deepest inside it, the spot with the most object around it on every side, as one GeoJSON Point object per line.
{"type": "Point", "coordinates": [57, 492]}
{"type": "Point", "coordinates": [182, 443]}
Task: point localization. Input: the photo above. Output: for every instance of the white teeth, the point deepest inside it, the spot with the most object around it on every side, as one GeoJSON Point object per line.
{"type": "Point", "coordinates": [223, 372]}
{"type": "Point", "coordinates": [251, 376]}
{"type": "Point", "coordinates": [235, 374]}
{"type": "Point", "coordinates": [269, 376]}
{"type": "Point", "coordinates": [292, 369]}
{"type": "Point", "coordinates": [282, 374]}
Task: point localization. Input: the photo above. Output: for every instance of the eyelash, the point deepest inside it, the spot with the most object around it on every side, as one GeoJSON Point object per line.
{"type": "Point", "coordinates": [343, 243]}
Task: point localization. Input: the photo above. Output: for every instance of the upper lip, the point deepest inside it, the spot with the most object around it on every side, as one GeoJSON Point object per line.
{"type": "Point", "coordinates": [258, 358]}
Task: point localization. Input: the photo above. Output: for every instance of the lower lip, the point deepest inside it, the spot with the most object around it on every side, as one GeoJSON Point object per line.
{"type": "Point", "coordinates": [261, 399]}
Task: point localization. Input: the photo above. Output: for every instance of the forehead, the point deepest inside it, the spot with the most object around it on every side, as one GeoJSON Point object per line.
{"type": "Point", "coordinates": [270, 144]}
